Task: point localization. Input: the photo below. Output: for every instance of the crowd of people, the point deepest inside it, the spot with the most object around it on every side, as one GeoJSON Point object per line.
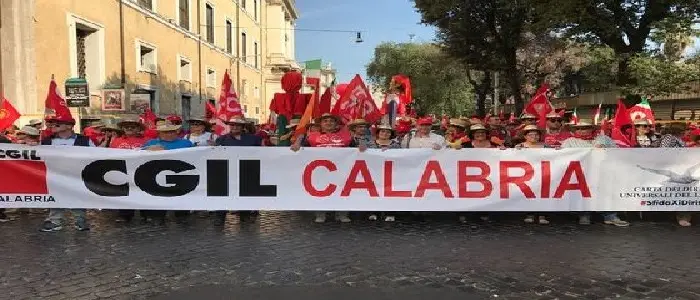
{"type": "Point", "coordinates": [329, 131]}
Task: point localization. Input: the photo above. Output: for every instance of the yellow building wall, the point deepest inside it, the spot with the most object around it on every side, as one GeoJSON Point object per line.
{"type": "Point", "coordinates": [52, 50]}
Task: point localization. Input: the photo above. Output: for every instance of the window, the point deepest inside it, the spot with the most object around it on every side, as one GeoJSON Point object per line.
{"type": "Point", "coordinates": [243, 3]}
{"type": "Point", "coordinates": [245, 108]}
{"type": "Point", "coordinates": [256, 92]}
{"type": "Point", "coordinates": [244, 51]}
{"type": "Point", "coordinates": [184, 72]}
{"type": "Point", "coordinates": [257, 110]}
{"type": "Point", "coordinates": [229, 37]}
{"type": "Point", "coordinates": [255, 53]}
{"type": "Point", "coordinates": [255, 10]}
{"type": "Point", "coordinates": [147, 61]}
{"type": "Point", "coordinates": [244, 88]}
{"type": "Point", "coordinates": [186, 106]}
{"type": "Point", "coordinates": [212, 102]}
{"type": "Point", "coordinates": [211, 77]}
{"type": "Point", "coordinates": [183, 11]}
{"type": "Point", "coordinates": [210, 23]}
{"type": "Point", "coordinates": [148, 4]}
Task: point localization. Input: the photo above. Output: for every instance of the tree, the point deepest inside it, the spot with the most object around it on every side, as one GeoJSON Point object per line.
{"type": "Point", "coordinates": [484, 35]}
{"type": "Point", "coordinates": [623, 25]}
{"type": "Point", "coordinates": [546, 58]}
{"type": "Point", "coordinates": [439, 84]}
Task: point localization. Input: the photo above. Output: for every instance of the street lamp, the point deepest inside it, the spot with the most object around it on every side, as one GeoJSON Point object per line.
{"type": "Point", "coordinates": [359, 38]}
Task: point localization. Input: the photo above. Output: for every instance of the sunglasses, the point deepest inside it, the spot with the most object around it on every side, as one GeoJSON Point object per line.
{"type": "Point", "coordinates": [555, 120]}
{"type": "Point", "coordinates": [641, 126]}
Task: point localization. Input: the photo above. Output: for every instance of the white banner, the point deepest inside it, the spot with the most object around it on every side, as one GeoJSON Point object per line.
{"type": "Point", "coordinates": [268, 178]}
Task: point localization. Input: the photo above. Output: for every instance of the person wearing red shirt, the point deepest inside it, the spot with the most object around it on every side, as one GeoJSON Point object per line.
{"type": "Point", "coordinates": [555, 134]}
{"type": "Point", "coordinates": [330, 136]}
{"type": "Point", "coordinates": [132, 139]}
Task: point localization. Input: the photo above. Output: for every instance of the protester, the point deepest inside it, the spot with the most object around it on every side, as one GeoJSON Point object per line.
{"type": "Point", "coordinates": [330, 136]}
{"type": "Point", "coordinates": [585, 137]}
{"type": "Point", "coordinates": [30, 136]}
{"type": "Point", "coordinates": [644, 136]}
{"type": "Point", "coordinates": [36, 123]}
{"type": "Point", "coordinates": [10, 133]}
{"type": "Point", "coordinates": [109, 133]}
{"type": "Point", "coordinates": [199, 135]}
{"type": "Point", "coordinates": [94, 132]}
{"type": "Point", "coordinates": [286, 139]}
{"type": "Point", "coordinates": [50, 122]}
{"type": "Point", "coordinates": [132, 137]}
{"type": "Point", "coordinates": [63, 135]}
{"type": "Point", "coordinates": [360, 132]}
{"type": "Point", "coordinates": [455, 135]}
{"type": "Point", "coordinates": [555, 132]}
{"type": "Point", "coordinates": [423, 137]}
{"type": "Point", "coordinates": [167, 140]}
{"type": "Point", "coordinates": [479, 138]}
{"type": "Point", "coordinates": [385, 139]}
{"type": "Point", "coordinates": [528, 119]}
{"type": "Point", "coordinates": [533, 140]}
{"type": "Point", "coordinates": [672, 138]}
{"type": "Point", "coordinates": [3, 217]}
{"type": "Point", "coordinates": [238, 138]}
{"type": "Point", "coordinates": [497, 132]}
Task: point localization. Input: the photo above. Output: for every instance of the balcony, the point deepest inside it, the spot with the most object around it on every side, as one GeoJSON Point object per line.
{"type": "Point", "coordinates": [280, 61]}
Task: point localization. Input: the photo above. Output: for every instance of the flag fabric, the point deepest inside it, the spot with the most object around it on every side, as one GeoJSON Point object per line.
{"type": "Point", "coordinates": [540, 106]}
{"type": "Point", "coordinates": [620, 135]}
{"type": "Point", "coordinates": [642, 111]}
{"type": "Point", "coordinates": [574, 117]}
{"type": "Point", "coordinates": [148, 118]}
{"type": "Point", "coordinates": [312, 68]}
{"type": "Point", "coordinates": [596, 117]}
{"type": "Point", "coordinates": [512, 118]}
{"type": "Point", "coordinates": [8, 114]}
{"type": "Point", "coordinates": [501, 115]}
{"type": "Point", "coordinates": [324, 105]}
{"type": "Point", "coordinates": [307, 117]}
{"type": "Point", "coordinates": [228, 104]}
{"type": "Point", "coordinates": [209, 111]}
{"type": "Point", "coordinates": [55, 105]}
{"type": "Point", "coordinates": [357, 103]}
{"type": "Point", "coordinates": [316, 84]}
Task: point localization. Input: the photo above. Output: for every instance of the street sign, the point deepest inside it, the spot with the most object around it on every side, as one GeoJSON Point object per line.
{"type": "Point", "coordinates": [77, 92]}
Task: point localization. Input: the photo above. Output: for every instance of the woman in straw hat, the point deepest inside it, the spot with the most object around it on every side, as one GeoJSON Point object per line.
{"type": "Point", "coordinates": [132, 137]}
{"type": "Point", "coordinates": [644, 137]}
{"type": "Point", "coordinates": [109, 133]}
{"type": "Point", "coordinates": [359, 128]}
{"type": "Point", "coordinates": [30, 135]}
{"type": "Point", "coordinates": [199, 133]}
{"type": "Point", "coordinates": [456, 135]}
{"type": "Point", "coordinates": [385, 139]}
{"type": "Point", "coordinates": [585, 137]}
{"type": "Point", "coordinates": [532, 136]}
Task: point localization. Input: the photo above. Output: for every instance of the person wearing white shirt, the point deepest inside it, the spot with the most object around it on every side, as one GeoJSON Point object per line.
{"type": "Point", "coordinates": [63, 135]}
{"type": "Point", "coordinates": [423, 137]}
{"type": "Point", "coordinates": [199, 136]}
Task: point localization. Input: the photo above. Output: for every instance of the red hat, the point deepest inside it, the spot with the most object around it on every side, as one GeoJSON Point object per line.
{"type": "Point", "coordinates": [425, 121]}
{"type": "Point", "coordinates": [695, 132]}
{"type": "Point", "coordinates": [174, 118]}
{"type": "Point", "coordinates": [64, 119]}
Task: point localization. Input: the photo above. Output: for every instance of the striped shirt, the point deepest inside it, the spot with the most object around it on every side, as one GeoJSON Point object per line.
{"type": "Point", "coordinates": [603, 140]}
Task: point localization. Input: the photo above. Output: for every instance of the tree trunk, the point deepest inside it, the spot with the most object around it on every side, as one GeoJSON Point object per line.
{"type": "Point", "coordinates": [623, 75]}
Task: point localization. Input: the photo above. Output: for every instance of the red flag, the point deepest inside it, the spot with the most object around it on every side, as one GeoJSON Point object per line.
{"type": "Point", "coordinates": [540, 106]}
{"type": "Point", "coordinates": [55, 105]}
{"type": "Point", "coordinates": [8, 114]}
{"type": "Point", "coordinates": [324, 106]}
{"type": "Point", "coordinates": [210, 111]}
{"type": "Point", "coordinates": [445, 122]}
{"type": "Point", "coordinates": [357, 103]}
{"type": "Point", "coordinates": [622, 116]}
{"type": "Point", "coordinates": [501, 115]}
{"type": "Point", "coordinates": [148, 118]}
{"type": "Point", "coordinates": [229, 106]}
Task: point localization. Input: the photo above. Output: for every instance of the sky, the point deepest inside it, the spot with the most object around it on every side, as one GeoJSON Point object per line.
{"type": "Point", "coordinates": [379, 20]}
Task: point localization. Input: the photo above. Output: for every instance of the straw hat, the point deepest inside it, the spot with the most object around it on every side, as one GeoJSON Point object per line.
{"type": "Point", "coordinates": [357, 122]}
{"type": "Point", "coordinates": [531, 128]}
{"type": "Point", "coordinates": [198, 119]}
{"type": "Point", "coordinates": [458, 123]}
{"type": "Point", "coordinates": [130, 120]}
{"type": "Point", "coordinates": [29, 130]}
{"type": "Point", "coordinates": [641, 122]}
{"type": "Point", "coordinates": [167, 126]}
{"type": "Point", "coordinates": [293, 123]}
{"type": "Point", "coordinates": [331, 116]}
{"type": "Point", "coordinates": [385, 127]}
{"type": "Point", "coordinates": [582, 124]}
{"type": "Point", "coordinates": [112, 127]}
{"type": "Point", "coordinates": [97, 124]}
{"type": "Point", "coordinates": [238, 120]}
{"type": "Point", "coordinates": [476, 127]}
{"type": "Point", "coordinates": [526, 116]}
{"type": "Point", "coordinates": [35, 122]}
{"type": "Point", "coordinates": [553, 115]}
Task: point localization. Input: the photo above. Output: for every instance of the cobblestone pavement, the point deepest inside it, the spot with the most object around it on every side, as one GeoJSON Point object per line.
{"type": "Point", "coordinates": [286, 256]}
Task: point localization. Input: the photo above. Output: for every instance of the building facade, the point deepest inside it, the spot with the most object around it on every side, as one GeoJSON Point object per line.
{"type": "Point", "coordinates": [170, 55]}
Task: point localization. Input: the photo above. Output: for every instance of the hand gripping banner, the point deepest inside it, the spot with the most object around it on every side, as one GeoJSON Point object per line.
{"type": "Point", "coordinates": [270, 178]}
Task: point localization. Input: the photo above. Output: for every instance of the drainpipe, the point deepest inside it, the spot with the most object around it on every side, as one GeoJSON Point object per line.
{"type": "Point", "coordinates": [121, 43]}
{"type": "Point", "coordinates": [238, 49]}
{"type": "Point", "coordinates": [199, 47]}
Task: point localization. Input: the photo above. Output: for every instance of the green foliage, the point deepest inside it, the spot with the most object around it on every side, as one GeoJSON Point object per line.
{"type": "Point", "coordinates": [658, 76]}
{"type": "Point", "coordinates": [439, 83]}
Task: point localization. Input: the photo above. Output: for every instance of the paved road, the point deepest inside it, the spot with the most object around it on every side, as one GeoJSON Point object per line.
{"type": "Point", "coordinates": [286, 256]}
